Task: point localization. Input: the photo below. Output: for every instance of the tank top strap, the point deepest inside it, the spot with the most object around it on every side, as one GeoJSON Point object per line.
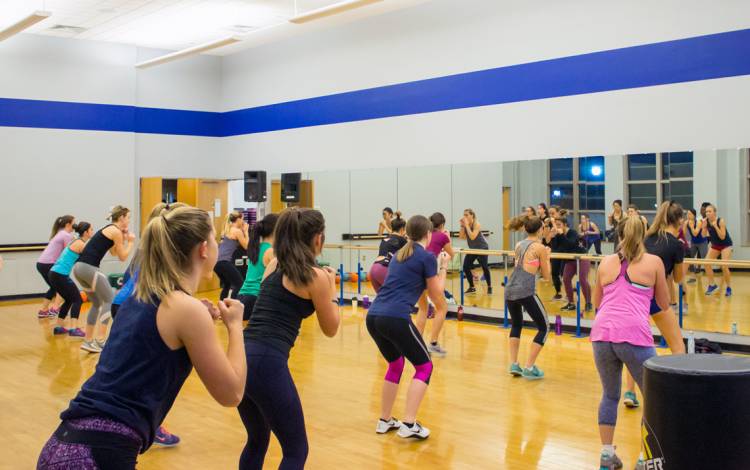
{"type": "Point", "coordinates": [522, 256]}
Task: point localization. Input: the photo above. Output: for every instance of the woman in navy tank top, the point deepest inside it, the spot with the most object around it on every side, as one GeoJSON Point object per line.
{"type": "Point", "coordinates": [720, 248]}
{"type": "Point", "coordinates": [160, 334]}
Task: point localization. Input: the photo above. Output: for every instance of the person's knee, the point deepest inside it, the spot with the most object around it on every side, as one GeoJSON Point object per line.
{"type": "Point", "coordinates": [395, 369]}
{"type": "Point", "coordinates": [423, 372]}
{"type": "Point", "coordinates": [541, 335]}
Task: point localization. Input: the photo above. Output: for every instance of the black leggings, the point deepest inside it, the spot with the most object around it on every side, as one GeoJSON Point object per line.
{"type": "Point", "coordinates": [597, 244]}
{"type": "Point", "coordinates": [397, 338]}
{"type": "Point", "coordinates": [469, 263]}
{"type": "Point", "coordinates": [271, 403]}
{"type": "Point", "coordinates": [556, 273]}
{"type": "Point", "coordinates": [43, 269]}
{"type": "Point", "coordinates": [249, 302]}
{"type": "Point", "coordinates": [230, 278]}
{"type": "Point", "coordinates": [536, 311]}
{"type": "Point", "coordinates": [65, 286]}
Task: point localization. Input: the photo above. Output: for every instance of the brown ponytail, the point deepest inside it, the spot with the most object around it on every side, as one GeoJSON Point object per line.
{"type": "Point", "coordinates": [117, 213]}
{"type": "Point", "coordinates": [630, 230]}
{"type": "Point", "coordinates": [529, 224]}
{"type": "Point", "coordinates": [293, 239]}
{"type": "Point", "coordinates": [60, 223]}
{"type": "Point", "coordinates": [417, 228]}
{"type": "Point", "coordinates": [165, 251]}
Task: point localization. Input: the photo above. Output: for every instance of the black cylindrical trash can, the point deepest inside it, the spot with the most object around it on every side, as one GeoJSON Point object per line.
{"type": "Point", "coordinates": [696, 412]}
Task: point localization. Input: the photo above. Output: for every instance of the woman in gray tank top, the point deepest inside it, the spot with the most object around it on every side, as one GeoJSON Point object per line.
{"type": "Point", "coordinates": [233, 236]}
{"type": "Point", "coordinates": [471, 231]}
{"type": "Point", "coordinates": [520, 294]}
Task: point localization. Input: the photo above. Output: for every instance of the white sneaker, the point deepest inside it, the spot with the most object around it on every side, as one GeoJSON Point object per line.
{"type": "Point", "coordinates": [436, 350]}
{"type": "Point", "coordinates": [416, 431]}
{"type": "Point", "coordinates": [386, 426]}
{"type": "Point", "coordinates": [91, 346]}
{"type": "Point", "coordinates": [100, 343]}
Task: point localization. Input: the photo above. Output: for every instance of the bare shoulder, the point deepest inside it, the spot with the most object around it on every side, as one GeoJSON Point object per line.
{"type": "Point", "coordinates": [609, 261]}
{"type": "Point", "coordinates": [186, 306]}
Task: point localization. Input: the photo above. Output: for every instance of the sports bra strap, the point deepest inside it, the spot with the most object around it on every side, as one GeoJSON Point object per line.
{"type": "Point", "coordinates": [522, 257]}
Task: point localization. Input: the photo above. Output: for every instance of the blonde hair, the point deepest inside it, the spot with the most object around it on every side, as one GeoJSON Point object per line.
{"type": "Point", "coordinates": [669, 214]}
{"type": "Point", "coordinates": [163, 206]}
{"type": "Point", "coordinates": [630, 230]}
{"type": "Point", "coordinates": [231, 218]}
{"type": "Point", "coordinates": [117, 213]}
{"type": "Point", "coordinates": [164, 255]}
{"type": "Point", "coordinates": [417, 228]}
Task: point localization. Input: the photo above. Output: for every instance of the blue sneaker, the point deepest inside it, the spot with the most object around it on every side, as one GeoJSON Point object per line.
{"type": "Point", "coordinates": [711, 289]}
{"type": "Point", "coordinates": [534, 373]}
{"type": "Point", "coordinates": [515, 370]}
{"type": "Point", "coordinates": [729, 292]}
{"type": "Point", "coordinates": [630, 400]}
{"type": "Point", "coordinates": [59, 330]}
{"type": "Point", "coordinates": [165, 439]}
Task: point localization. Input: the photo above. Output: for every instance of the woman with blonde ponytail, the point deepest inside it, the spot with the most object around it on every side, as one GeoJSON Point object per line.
{"type": "Point", "coordinates": [233, 236]}
{"type": "Point", "coordinates": [621, 334]}
{"type": "Point", "coordinates": [162, 332]}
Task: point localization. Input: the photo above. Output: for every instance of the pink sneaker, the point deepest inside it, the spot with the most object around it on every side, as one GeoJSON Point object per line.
{"type": "Point", "coordinates": [76, 332]}
{"type": "Point", "coordinates": [44, 314]}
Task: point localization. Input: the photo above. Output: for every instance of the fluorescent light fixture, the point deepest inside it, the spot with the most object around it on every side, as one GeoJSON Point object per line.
{"type": "Point", "coordinates": [188, 52]}
{"type": "Point", "coordinates": [331, 10]}
{"type": "Point", "coordinates": [25, 23]}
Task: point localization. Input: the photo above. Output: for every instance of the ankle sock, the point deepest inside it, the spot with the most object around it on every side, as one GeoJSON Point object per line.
{"type": "Point", "coordinates": [608, 450]}
{"type": "Point", "coordinates": [433, 343]}
{"type": "Point", "coordinates": [408, 425]}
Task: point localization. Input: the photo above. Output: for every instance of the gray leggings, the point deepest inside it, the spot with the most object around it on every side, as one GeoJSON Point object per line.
{"type": "Point", "coordinates": [609, 358]}
{"type": "Point", "coordinates": [96, 284]}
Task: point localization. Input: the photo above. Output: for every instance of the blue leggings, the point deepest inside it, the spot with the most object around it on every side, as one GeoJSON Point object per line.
{"type": "Point", "coordinates": [609, 358]}
{"type": "Point", "coordinates": [271, 403]}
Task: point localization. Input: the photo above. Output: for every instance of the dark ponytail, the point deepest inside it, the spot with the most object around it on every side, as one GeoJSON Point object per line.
{"type": "Point", "coordinates": [81, 227]}
{"type": "Point", "coordinates": [60, 223]}
{"type": "Point", "coordinates": [262, 229]}
{"type": "Point", "coordinates": [438, 220]}
{"type": "Point", "coordinates": [293, 243]}
{"type": "Point", "coordinates": [397, 223]}
{"type": "Point", "coordinates": [416, 229]}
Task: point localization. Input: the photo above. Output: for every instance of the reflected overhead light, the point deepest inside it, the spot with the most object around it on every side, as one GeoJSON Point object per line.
{"type": "Point", "coordinates": [25, 23]}
{"type": "Point", "coordinates": [596, 170]}
{"type": "Point", "coordinates": [331, 10]}
{"type": "Point", "coordinates": [557, 193]}
{"type": "Point", "coordinates": [188, 52]}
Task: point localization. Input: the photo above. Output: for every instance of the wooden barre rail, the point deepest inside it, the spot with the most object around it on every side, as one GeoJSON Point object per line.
{"type": "Point", "coordinates": [563, 256]}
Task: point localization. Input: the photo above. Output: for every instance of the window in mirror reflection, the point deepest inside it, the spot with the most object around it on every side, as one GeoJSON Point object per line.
{"type": "Point", "coordinates": [577, 184]}
{"type": "Point", "coordinates": [657, 177]}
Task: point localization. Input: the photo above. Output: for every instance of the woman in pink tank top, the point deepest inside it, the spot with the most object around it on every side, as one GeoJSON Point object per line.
{"type": "Point", "coordinates": [61, 236]}
{"type": "Point", "coordinates": [621, 333]}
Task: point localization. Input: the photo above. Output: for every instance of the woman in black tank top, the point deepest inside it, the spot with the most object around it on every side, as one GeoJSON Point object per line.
{"type": "Point", "coordinates": [292, 289]}
{"type": "Point", "coordinates": [720, 247]}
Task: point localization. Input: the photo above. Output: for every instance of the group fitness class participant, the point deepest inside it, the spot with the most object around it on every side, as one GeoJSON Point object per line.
{"type": "Point", "coordinates": [160, 334]}
{"type": "Point", "coordinates": [62, 235]}
{"type": "Point", "coordinates": [388, 247]}
{"type": "Point", "coordinates": [384, 226]}
{"type": "Point", "coordinates": [548, 238]}
{"type": "Point", "coordinates": [412, 271]}
{"type": "Point", "coordinates": [721, 247]}
{"type": "Point", "coordinates": [614, 219]}
{"type": "Point", "coordinates": [698, 237]}
{"type": "Point", "coordinates": [567, 241]}
{"type": "Point", "coordinates": [591, 234]}
{"type": "Point", "coordinates": [532, 258]}
{"type": "Point", "coordinates": [233, 236]}
{"type": "Point", "coordinates": [116, 239]}
{"type": "Point", "coordinates": [259, 255]}
{"type": "Point", "coordinates": [294, 287]}
{"type": "Point", "coordinates": [59, 279]}
{"type": "Point", "coordinates": [621, 334]}
{"type": "Point", "coordinates": [471, 231]}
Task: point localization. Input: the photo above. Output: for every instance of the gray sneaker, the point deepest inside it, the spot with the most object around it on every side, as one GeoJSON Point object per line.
{"type": "Point", "coordinates": [91, 346]}
{"type": "Point", "coordinates": [100, 343]}
{"type": "Point", "coordinates": [610, 462]}
{"type": "Point", "coordinates": [436, 349]}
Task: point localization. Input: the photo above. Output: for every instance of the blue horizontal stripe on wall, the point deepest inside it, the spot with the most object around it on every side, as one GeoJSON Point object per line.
{"type": "Point", "coordinates": [699, 58]}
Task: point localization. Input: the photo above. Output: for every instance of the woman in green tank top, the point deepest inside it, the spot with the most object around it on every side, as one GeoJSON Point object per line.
{"type": "Point", "coordinates": [259, 254]}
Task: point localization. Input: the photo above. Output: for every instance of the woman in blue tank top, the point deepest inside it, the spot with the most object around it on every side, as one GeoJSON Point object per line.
{"type": "Point", "coordinates": [160, 334]}
{"type": "Point", "coordinates": [293, 288]}
{"type": "Point", "coordinates": [59, 279]}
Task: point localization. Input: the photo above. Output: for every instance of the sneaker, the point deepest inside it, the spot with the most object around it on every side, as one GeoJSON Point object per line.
{"type": "Point", "coordinates": [44, 314]}
{"type": "Point", "coordinates": [91, 346]}
{"type": "Point", "coordinates": [416, 431]}
{"type": "Point", "coordinates": [515, 370]}
{"type": "Point", "coordinates": [569, 307]}
{"type": "Point", "coordinates": [711, 289]}
{"type": "Point", "coordinates": [105, 317]}
{"type": "Point", "coordinates": [451, 301]}
{"type": "Point", "coordinates": [100, 343]}
{"type": "Point", "coordinates": [630, 400]}
{"type": "Point", "coordinates": [54, 311]}
{"type": "Point", "coordinates": [557, 297]}
{"type": "Point", "coordinates": [728, 292]}
{"type": "Point", "coordinates": [489, 290]}
{"type": "Point", "coordinates": [76, 333]}
{"type": "Point", "coordinates": [609, 462]}
{"type": "Point", "coordinates": [471, 290]}
{"type": "Point", "coordinates": [436, 349]}
{"type": "Point", "coordinates": [589, 306]}
{"type": "Point", "coordinates": [387, 426]}
{"type": "Point", "coordinates": [692, 280]}
{"type": "Point", "coordinates": [534, 373]}
{"type": "Point", "coordinates": [59, 330]}
{"type": "Point", "coordinates": [165, 438]}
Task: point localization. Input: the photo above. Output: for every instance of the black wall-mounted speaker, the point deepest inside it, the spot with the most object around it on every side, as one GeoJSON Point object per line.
{"type": "Point", "coordinates": [290, 183]}
{"type": "Point", "coordinates": [255, 186]}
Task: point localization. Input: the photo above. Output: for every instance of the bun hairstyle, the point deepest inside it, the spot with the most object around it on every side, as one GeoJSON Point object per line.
{"type": "Point", "coordinates": [670, 214]}
{"type": "Point", "coordinates": [117, 213]}
{"type": "Point", "coordinates": [60, 223]}
{"type": "Point", "coordinates": [293, 243]}
{"type": "Point", "coordinates": [438, 220]}
{"type": "Point", "coordinates": [81, 227]}
{"type": "Point", "coordinates": [530, 224]}
{"type": "Point", "coordinates": [262, 229]}
{"type": "Point", "coordinates": [165, 252]}
{"type": "Point", "coordinates": [416, 229]}
{"type": "Point", "coordinates": [397, 223]}
{"type": "Point", "coordinates": [631, 232]}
